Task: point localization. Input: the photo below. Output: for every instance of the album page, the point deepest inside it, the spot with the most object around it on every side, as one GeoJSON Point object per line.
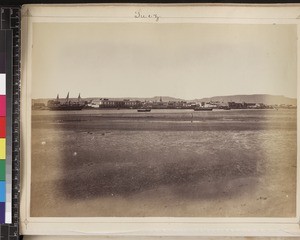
{"type": "Point", "coordinates": [159, 120]}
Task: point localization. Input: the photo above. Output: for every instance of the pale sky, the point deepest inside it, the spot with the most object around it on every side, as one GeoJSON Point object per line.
{"type": "Point", "coordinates": [186, 61]}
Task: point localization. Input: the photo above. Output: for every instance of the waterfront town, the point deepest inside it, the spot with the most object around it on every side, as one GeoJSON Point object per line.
{"type": "Point", "coordinates": [106, 103]}
{"type": "Point", "coordinates": [135, 104]}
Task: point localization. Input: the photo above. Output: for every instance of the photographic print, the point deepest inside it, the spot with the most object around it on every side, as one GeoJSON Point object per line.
{"type": "Point", "coordinates": [163, 120]}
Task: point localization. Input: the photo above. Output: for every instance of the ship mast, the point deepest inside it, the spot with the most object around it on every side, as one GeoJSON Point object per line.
{"type": "Point", "coordinates": [67, 99]}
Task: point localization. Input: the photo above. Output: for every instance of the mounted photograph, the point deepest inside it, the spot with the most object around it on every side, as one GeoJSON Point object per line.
{"type": "Point", "coordinates": [163, 119]}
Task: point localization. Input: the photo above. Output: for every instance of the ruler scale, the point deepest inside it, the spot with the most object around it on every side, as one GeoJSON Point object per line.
{"type": "Point", "coordinates": [9, 121]}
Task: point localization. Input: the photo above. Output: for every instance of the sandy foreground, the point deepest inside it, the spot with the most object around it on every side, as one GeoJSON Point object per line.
{"type": "Point", "coordinates": [164, 164]}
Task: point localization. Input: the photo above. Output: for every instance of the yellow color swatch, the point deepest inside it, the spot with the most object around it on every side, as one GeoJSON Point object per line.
{"type": "Point", "coordinates": [2, 148]}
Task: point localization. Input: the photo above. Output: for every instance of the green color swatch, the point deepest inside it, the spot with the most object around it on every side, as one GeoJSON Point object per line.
{"type": "Point", "coordinates": [2, 170]}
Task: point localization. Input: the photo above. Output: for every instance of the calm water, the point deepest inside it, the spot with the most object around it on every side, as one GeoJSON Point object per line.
{"type": "Point", "coordinates": [171, 112]}
{"type": "Point", "coordinates": [169, 120]}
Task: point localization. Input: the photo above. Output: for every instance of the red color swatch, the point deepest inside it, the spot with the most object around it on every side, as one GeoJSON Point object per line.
{"type": "Point", "coordinates": [2, 127]}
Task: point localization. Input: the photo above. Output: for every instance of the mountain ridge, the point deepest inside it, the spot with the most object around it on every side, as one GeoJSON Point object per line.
{"type": "Point", "coordinates": [251, 98]}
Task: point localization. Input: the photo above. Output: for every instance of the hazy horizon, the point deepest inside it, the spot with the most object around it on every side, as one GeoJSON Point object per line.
{"type": "Point", "coordinates": [143, 60]}
{"type": "Point", "coordinates": [157, 96]}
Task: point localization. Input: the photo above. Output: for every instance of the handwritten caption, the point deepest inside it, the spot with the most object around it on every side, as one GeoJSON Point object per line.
{"type": "Point", "coordinates": [154, 16]}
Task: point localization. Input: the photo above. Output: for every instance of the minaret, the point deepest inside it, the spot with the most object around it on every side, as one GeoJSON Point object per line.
{"type": "Point", "coordinates": [160, 99]}
{"type": "Point", "coordinates": [79, 98]}
{"type": "Point", "coordinates": [57, 97]}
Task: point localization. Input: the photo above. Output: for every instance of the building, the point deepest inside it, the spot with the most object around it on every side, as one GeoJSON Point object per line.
{"type": "Point", "coordinates": [234, 105]}
{"type": "Point", "coordinates": [110, 103]}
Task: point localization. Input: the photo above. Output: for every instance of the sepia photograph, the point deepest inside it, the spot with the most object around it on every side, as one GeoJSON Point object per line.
{"type": "Point", "coordinates": [163, 120]}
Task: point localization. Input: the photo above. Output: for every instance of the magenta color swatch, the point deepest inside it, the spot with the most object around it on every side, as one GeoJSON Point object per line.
{"type": "Point", "coordinates": [2, 105]}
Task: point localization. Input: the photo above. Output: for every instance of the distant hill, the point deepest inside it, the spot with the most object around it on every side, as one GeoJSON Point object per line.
{"type": "Point", "coordinates": [152, 99]}
{"type": "Point", "coordinates": [157, 99]}
{"type": "Point", "coordinates": [255, 98]}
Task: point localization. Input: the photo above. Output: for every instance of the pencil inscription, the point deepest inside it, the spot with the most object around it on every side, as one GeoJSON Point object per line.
{"type": "Point", "coordinates": [138, 14]}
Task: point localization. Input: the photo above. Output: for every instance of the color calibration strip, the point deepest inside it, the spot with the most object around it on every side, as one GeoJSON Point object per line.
{"type": "Point", "coordinates": [2, 126]}
{"type": "Point", "coordinates": [9, 122]}
{"type": "Point", "coordinates": [5, 125]}
{"type": "Point", "coordinates": [2, 146]}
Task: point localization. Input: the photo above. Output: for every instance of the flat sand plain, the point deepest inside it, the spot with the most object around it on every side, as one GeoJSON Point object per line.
{"type": "Point", "coordinates": [166, 163]}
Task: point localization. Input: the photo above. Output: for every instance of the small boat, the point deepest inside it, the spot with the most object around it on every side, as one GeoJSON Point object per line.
{"type": "Point", "coordinates": [144, 110]}
{"type": "Point", "coordinates": [203, 109]}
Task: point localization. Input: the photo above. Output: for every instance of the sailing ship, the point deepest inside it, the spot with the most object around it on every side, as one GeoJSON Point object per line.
{"type": "Point", "coordinates": [66, 104]}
